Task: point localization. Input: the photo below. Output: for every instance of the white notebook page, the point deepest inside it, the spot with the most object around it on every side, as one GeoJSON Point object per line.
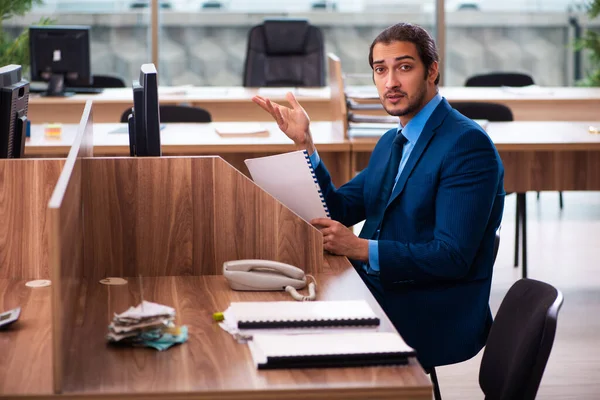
{"type": "Point", "coordinates": [289, 179]}
{"type": "Point", "coordinates": [263, 346]}
{"type": "Point", "coordinates": [301, 311]}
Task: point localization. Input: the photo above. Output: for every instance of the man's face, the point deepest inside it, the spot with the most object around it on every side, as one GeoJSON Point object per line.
{"type": "Point", "coordinates": [399, 75]}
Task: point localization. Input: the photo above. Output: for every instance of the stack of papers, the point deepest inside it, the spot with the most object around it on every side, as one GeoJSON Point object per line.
{"type": "Point", "coordinates": [147, 325]}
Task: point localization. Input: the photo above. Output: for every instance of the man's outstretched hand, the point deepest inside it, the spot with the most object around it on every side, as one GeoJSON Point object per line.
{"type": "Point", "coordinates": [294, 121]}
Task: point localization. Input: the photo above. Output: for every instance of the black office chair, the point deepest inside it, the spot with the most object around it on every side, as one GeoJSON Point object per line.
{"type": "Point", "coordinates": [495, 79]}
{"type": "Point", "coordinates": [500, 113]}
{"type": "Point", "coordinates": [285, 52]}
{"type": "Point", "coordinates": [516, 79]}
{"type": "Point", "coordinates": [434, 380]}
{"type": "Point", "coordinates": [177, 114]}
{"type": "Point", "coordinates": [145, 4]}
{"type": "Point", "coordinates": [107, 81]}
{"type": "Point", "coordinates": [493, 112]}
{"type": "Point", "coordinates": [520, 341]}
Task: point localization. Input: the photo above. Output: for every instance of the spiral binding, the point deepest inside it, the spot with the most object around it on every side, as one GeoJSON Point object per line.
{"type": "Point", "coordinates": [312, 172]}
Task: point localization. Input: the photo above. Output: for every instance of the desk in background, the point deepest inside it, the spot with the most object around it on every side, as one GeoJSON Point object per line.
{"type": "Point", "coordinates": [536, 155]}
{"type": "Point", "coordinates": [201, 139]}
{"type": "Point", "coordinates": [223, 103]}
{"type": "Point", "coordinates": [527, 104]}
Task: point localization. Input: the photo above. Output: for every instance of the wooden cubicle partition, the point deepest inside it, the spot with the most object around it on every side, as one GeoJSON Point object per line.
{"type": "Point", "coordinates": [339, 110]}
{"type": "Point", "coordinates": [25, 187]}
{"type": "Point", "coordinates": [172, 216]}
{"type": "Point", "coordinates": [25, 346]}
{"type": "Point", "coordinates": [26, 238]}
{"type": "Point", "coordinates": [65, 215]}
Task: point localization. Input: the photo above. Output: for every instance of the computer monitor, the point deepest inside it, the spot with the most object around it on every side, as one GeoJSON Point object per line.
{"type": "Point", "coordinates": [59, 54]}
{"type": "Point", "coordinates": [14, 97]}
{"type": "Point", "coordinates": [144, 120]}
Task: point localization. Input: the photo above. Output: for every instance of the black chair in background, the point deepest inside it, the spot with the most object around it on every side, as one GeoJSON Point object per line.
{"type": "Point", "coordinates": [515, 79]}
{"type": "Point", "coordinates": [494, 112]}
{"type": "Point", "coordinates": [146, 3]}
{"type": "Point", "coordinates": [285, 52]}
{"type": "Point", "coordinates": [107, 81]}
{"type": "Point", "coordinates": [177, 114]}
{"type": "Point", "coordinates": [495, 79]}
{"type": "Point", "coordinates": [520, 341]}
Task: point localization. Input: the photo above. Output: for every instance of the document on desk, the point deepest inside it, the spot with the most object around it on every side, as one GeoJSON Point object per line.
{"type": "Point", "coordinates": [245, 319]}
{"type": "Point", "coordinates": [275, 91]}
{"type": "Point", "coordinates": [237, 129]}
{"type": "Point", "coordinates": [530, 90]}
{"type": "Point", "coordinates": [294, 314]}
{"type": "Point", "coordinates": [329, 350]}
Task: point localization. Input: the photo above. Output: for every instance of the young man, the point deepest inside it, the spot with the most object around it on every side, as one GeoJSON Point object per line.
{"type": "Point", "coordinates": [432, 199]}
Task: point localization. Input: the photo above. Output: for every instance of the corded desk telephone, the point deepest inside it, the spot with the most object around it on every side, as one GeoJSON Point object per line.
{"type": "Point", "coordinates": [266, 275]}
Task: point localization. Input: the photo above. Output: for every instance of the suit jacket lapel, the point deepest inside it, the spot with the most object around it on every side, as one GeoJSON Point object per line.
{"type": "Point", "coordinates": [432, 124]}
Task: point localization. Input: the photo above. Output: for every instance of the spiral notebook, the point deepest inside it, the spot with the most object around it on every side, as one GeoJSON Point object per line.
{"type": "Point", "coordinates": [290, 178]}
{"type": "Point", "coordinates": [306, 314]}
{"type": "Point", "coordinates": [355, 349]}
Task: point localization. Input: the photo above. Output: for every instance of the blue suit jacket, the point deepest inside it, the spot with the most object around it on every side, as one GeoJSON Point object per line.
{"type": "Point", "coordinates": [437, 235]}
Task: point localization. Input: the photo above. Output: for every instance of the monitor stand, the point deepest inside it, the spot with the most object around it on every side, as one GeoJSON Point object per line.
{"type": "Point", "coordinates": [56, 87]}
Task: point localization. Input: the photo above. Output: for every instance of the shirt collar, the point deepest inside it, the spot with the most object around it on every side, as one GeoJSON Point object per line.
{"type": "Point", "coordinates": [415, 126]}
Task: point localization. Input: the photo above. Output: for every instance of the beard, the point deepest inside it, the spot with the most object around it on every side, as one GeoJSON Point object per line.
{"type": "Point", "coordinates": [415, 102]}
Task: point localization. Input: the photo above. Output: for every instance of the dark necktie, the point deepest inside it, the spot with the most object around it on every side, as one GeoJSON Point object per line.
{"type": "Point", "coordinates": [373, 224]}
{"type": "Point", "coordinates": [392, 168]}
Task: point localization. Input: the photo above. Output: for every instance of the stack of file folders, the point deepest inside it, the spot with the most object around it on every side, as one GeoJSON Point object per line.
{"type": "Point", "coordinates": [287, 334]}
{"type": "Point", "coordinates": [147, 325]}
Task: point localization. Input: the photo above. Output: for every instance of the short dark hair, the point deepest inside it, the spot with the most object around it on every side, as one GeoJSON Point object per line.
{"type": "Point", "coordinates": [406, 32]}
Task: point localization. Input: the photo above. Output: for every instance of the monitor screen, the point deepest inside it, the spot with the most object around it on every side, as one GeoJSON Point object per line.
{"type": "Point", "coordinates": [14, 98]}
{"type": "Point", "coordinates": [144, 121]}
{"type": "Point", "coordinates": [59, 54]}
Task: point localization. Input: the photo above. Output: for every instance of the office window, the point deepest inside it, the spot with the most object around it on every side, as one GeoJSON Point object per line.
{"type": "Point", "coordinates": [204, 42]}
{"type": "Point", "coordinates": [120, 34]}
{"type": "Point", "coordinates": [529, 36]}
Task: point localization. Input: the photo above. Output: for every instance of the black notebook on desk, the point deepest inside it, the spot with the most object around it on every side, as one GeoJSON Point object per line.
{"type": "Point", "coordinates": [307, 314]}
{"type": "Point", "coordinates": [329, 350]}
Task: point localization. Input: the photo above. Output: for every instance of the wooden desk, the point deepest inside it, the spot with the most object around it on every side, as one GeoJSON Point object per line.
{"type": "Point", "coordinates": [201, 139]}
{"type": "Point", "coordinates": [211, 364]}
{"type": "Point", "coordinates": [527, 104]}
{"type": "Point", "coordinates": [223, 103]}
{"type": "Point", "coordinates": [26, 345]}
{"type": "Point", "coordinates": [536, 155]}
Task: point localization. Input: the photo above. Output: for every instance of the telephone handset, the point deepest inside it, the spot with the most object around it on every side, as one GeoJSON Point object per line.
{"type": "Point", "coordinates": [267, 275]}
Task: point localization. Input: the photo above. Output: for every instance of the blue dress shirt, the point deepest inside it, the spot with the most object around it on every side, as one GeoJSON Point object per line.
{"type": "Point", "coordinates": [411, 131]}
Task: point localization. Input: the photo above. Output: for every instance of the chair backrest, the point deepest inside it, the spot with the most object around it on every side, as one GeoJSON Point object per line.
{"type": "Point", "coordinates": [495, 79]}
{"type": "Point", "coordinates": [177, 114]}
{"type": "Point", "coordinates": [520, 341]}
{"type": "Point", "coordinates": [107, 81]}
{"type": "Point", "coordinates": [493, 112]}
{"type": "Point", "coordinates": [285, 52]}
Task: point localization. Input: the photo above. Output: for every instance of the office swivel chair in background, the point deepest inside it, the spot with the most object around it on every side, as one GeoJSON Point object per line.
{"type": "Point", "coordinates": [285, 52]}
{"type": "Point", "coordinates": [497, 79]}
{"type": "Point", "coordinates": [177, 114]}
{"type": "Point", "coordinates": [107, 81]}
